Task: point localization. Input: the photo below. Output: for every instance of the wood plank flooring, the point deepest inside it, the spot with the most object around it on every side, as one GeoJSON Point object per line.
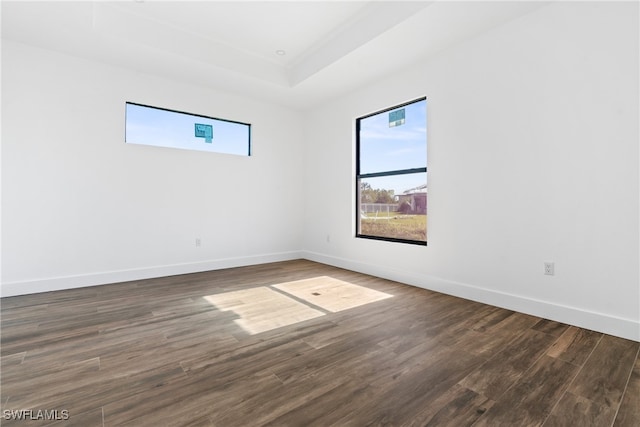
{"type": "Point", "coordinates": [159, 353]}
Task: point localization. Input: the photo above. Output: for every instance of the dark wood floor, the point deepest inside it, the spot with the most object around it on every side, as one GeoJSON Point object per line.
{"type": "Point", "coordinates": [157, 353]}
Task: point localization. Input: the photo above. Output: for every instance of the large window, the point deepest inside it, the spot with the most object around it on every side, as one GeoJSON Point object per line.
{"type": "Point", "coordinates": [175, 129]}
{"type": "Point", "coordinates": [391, 174]}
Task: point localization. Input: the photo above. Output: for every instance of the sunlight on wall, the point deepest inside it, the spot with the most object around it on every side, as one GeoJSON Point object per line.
{"type": "Point", "coordinates": [265, 308]}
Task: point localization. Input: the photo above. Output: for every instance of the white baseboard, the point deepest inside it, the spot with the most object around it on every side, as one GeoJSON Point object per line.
{"type": "Point", "coordinates": [600, 322]}
{"type": "Point", "coordinates": [70, 282]}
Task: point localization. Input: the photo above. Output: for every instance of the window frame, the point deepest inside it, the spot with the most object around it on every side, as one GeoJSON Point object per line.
{"type": "Point", "coordinates": [360, 176]}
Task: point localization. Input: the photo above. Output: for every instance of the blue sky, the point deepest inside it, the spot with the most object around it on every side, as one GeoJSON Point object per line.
{"type": "Point", "coordinates": [152, 126]}
{"type": "Point", "coordinates": [384, 148]}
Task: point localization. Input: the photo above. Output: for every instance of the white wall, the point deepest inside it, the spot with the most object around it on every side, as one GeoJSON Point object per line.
{"type": "Point", "coordinates": [533, 157]}
{"type": "Point", "coordinates": [80, 207]}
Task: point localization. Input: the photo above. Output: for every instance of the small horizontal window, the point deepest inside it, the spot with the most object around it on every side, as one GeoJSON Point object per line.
{"type": "Point", "coordinates": [162, 127]}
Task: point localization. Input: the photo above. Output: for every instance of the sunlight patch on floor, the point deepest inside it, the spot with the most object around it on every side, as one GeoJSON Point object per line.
{"type": "Point", "coordinates": [331, 294]}
{"type": "Point", "coordinates": [262, 308]}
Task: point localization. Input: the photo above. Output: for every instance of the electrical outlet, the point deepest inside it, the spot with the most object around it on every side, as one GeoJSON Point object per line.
{"type": "Point", "coordinates": [549, 268]}
{"type": "Point", "coordinates": [198, 243]}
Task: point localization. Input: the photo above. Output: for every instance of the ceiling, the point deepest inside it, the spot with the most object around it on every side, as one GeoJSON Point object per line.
{"type": "Point", "coordinates": [293, 53]}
